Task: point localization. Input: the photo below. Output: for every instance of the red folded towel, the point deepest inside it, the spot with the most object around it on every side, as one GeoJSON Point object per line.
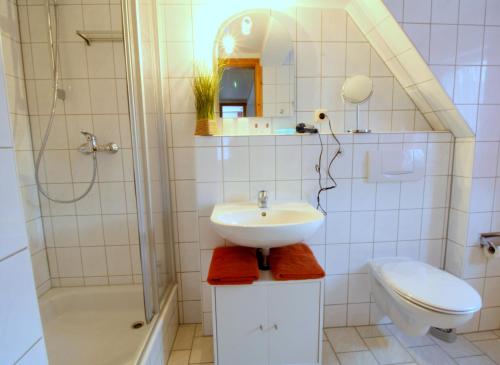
{"type": "Point", "coordinates": [233, 266]}
{"type": "Point", "coordinates": [294, 262]}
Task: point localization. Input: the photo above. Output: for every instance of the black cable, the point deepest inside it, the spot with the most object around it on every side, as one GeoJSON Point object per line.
{"type": "Point", "coordinates": [333, 184]}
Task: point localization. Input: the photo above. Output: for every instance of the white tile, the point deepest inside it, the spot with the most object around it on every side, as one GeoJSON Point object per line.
{"type": "Point", "coordinates": [208, 164]}
{"type": "Point", "coordinates": [490, 76]}
{"type": "Point", "coordinates": [308, 26]}
{"type": "Point", "coordinates": [336, 289]}
{"type": "Point", "coordinates": [472, 11]}
{"type": "Point", "coordinates": [119, 261]}
{"type": "Point", "coordinates": [469, 47]}
{"type": "Point", "coordinates": [492, 292]}
{"type": "Point", "coordinates": [443, 44]}
{"type": "Point", "coordinates": [359, 256]}
{"type": "Point", "coordinates": [417, 11]}
{"type": "Point", "coordinates": [430, 355]}
{"type": "Point", "coordinates": [475, 360]}
{"type": "Point", "coordinates": [337, 259]}
{"type": "Point", "coordinates": [94, 261]}
{"type": "Point", "coordinates": [409, 224]}
{"type": "Point", "coordinates": [13, 233]}
{"type": "Point", "coordinates": [308, 59]}
{"type": "Point", "coordinates": [445, 11]}
{"type": "Point", "coordinates": [357, 59]}
{"type": "Point", "coordinates": [187, 223]}
{"type": "Point", "coordinates": [358, 314]}
{"type": "Point", "coordinates": [386, 225]}
{"type": "Point", "coordinates": [114, 234]}
{"type": "Point", "coordinates": [335, 315]}
{"type": "Point", "coordinates": [334, 25]}
{"type": "Point", "coordinates": [493, 7]}
{"type": "Point", "coordinates": [288, 163]}
{"type": "Point", "coordinates": [345, 339]}
{"type": "Point", "coordinates": [191, 286]}
{"type": "Point", "coordinates": [333, 59]}
{"type": "Point", "coordinates": [387, 350]}
{"type": "Point", "coordinates": [359, 288]}
{"type": "Point", "coordinates": [90, 230]}
{"type": "Point", "coordinates": [69, 262]}
{"type": "Point", "coordinates": [363, 195]}
{"type": "Point", "coordinates": [338, 227]}
{"type": "Point", "coordinates": [236, 163]}
{"type": "Point", "coordinates": [460, 348]}
{"type": "Point", "coordinates": [362, 226]}
{"type": "Point", "coordinates": [189, 256]}
{"type": "Point", "coordinates": [19, 305]}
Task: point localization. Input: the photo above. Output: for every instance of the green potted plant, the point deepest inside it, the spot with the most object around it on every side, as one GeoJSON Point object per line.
{"type": "Point", "coordinates": [206, 89]}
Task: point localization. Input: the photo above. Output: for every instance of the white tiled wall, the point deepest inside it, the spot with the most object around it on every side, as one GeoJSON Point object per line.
{"type": "Point", "coordinates": [21, 337]}
{"type": "Point", "coordinates": [459, 41]}
{"type": "Point", "coordinates": [365, 220]}
{"type": "Point", "coordinates": [327, 51]}
{"type": "Point", "coordinates": [19, 120]}
{"type": "Point", "coordinates": [93, 241]}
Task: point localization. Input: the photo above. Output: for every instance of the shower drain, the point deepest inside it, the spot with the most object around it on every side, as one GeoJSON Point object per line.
{"type": "Point", "coordinates": [137, 325]}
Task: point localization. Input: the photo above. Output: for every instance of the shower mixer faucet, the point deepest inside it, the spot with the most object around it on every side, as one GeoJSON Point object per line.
{"type": "Point", "coordinates": [91, 146]}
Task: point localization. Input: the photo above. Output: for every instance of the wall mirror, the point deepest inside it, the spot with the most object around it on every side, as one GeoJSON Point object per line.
{"type": "Point", "coordinates": [255, 51]}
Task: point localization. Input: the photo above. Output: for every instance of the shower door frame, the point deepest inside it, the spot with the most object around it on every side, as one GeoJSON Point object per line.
{"type": "Point", "coordinates": [132, 46]}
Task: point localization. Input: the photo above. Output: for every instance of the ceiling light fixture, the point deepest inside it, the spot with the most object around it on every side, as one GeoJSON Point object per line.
{"type": "Point", "coordinates": [246, 25]}
{"type": "Point", "coordinates": [228, 43]}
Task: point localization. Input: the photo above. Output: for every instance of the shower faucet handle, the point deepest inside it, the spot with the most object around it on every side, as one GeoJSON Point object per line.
{"type": "Point", "coordinates": [92, 146]}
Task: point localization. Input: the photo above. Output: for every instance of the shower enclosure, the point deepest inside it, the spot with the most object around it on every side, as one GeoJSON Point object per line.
{"type": "Point", "coordinates": [100, 171]}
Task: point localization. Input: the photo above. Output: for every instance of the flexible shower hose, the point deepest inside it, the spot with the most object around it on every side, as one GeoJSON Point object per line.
{"type": "Point", "coordinates": [43, 146]}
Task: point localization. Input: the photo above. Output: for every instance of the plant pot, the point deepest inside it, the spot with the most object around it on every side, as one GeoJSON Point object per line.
{"type": "Point", "coordinates": [205, 127]}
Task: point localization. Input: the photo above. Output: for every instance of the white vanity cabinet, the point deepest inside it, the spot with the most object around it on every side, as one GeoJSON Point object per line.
{"type": "Point", "coordinates": [268, 323]}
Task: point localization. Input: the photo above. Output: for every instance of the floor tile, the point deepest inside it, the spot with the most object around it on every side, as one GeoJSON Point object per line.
{"type": "Point", "coordinates": [179, 357]}
{"type": "Point", "coordinates": [387, 350]}
{"type": "Point", "coordinates": [460, 348]}
{"type": "Point", "coordinates": [202, 351]}
{"type": "Point", "coordinates": [480, 336]}
{"type": "Point", "coordinates": [184, 337]}
{"type": "Point", "coordinates": [198, 331]}
{"type": "Point", "coordinates": [431, 355]}
{"type": "Point", "coordinates": [475, 360]}
{"type": "Point", "coordinates": [373, 331]}
{"type": "Point", "coordinates": [357, 358]}
{"type": "Point", "coordinates": [410, 341]}
{"type": "Point", "coordinates": [329, 357]}
{"type": "Point", "coordinates": [345, 339]}
{"type": "Point", "coordinates": [490, 348]}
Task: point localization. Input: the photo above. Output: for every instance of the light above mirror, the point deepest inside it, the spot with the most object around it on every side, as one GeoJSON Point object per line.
{"type": "Point", "coordinates": [256, 53]}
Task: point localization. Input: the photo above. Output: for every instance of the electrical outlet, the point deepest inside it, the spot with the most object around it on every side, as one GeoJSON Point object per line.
{"type": "Point", "coordinates": [317, 115]}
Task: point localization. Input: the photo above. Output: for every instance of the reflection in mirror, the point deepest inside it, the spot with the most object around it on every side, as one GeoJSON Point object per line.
{"type": "Point", "coordinates": [356, 90]}
{"type": "Point", "coordinates": [256, 53]}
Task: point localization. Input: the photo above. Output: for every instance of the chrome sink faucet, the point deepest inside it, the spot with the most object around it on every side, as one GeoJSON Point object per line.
{"type": "Point", "coordinates": [262, 199]}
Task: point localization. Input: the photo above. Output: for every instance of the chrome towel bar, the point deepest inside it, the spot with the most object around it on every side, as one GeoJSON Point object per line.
{"type": "Point", "coordinates": [90, 36]}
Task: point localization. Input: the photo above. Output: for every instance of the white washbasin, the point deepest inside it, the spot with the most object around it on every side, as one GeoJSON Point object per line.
{"type": "Point", "coordinates": [280, 224]}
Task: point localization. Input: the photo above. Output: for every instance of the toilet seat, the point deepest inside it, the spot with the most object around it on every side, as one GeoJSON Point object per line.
{"type": "Point", "coordinates": [429, 287]}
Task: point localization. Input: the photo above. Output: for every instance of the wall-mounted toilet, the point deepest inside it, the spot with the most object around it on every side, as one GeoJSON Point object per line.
{"type": "Point", "coordinates": [417, 296]}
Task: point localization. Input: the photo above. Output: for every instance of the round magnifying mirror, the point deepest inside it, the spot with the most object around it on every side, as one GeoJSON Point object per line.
{"type": "Point", "coordinates": [356, 90]}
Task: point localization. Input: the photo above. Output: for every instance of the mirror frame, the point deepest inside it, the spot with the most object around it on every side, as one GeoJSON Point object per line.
{"type": "Point", "coordinates": [250, 63]}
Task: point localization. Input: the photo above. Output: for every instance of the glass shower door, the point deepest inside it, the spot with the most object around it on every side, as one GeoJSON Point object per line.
{"type": "Point", "coordinates": [149, 146]}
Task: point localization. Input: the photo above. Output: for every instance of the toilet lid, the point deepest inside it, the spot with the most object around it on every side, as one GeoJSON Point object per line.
{"type": "Point", "coordinates": [430, 287]}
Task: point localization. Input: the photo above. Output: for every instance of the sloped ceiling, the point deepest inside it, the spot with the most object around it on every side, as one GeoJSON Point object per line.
{"type": "Point", "coordinates": [410, 69]}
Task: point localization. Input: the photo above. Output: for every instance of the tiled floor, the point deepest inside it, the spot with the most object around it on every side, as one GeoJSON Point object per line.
{"type": "Point", "coordinates": [367, 345]}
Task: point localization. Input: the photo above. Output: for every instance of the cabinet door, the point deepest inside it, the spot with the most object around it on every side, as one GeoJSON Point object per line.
{"type": "Point", "coordinates": [294, 320]}
{"type": "Point", "coordinates": [241, 324]}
